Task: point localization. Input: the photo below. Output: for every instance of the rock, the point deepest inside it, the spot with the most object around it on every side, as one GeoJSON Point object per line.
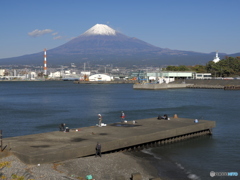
{"type": "Point", "coordinates": [136, 176]}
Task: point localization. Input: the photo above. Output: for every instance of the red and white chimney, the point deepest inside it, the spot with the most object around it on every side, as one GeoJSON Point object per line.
{"type": "Point", "coordinates": [45, 62]}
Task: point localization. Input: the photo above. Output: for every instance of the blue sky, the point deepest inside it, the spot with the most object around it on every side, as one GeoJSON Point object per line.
{"type": "Point", "coordinates": [29, 26]}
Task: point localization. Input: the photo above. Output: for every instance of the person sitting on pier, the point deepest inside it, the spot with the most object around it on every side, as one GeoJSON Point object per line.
{"type": "Point", "coordinates": [165, 116]}
{"type": "Point", "coordinates": [62, 127]}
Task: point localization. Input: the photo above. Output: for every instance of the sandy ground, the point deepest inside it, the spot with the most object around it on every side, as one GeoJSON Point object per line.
{"type": "Point", "coordinates": [108, 167]}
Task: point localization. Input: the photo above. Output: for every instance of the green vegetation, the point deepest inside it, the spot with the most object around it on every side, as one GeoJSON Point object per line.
{"type": "Point", "coordinates": [228, 67]}
{"type": "Point", "coordinates": [5, 164]}
{"type": "Point", "coordinates": [16, 177]}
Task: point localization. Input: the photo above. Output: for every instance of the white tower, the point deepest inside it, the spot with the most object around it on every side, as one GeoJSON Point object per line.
{"type": "Point", "coordinates": [45, 62]}
{"type": "Point", "coordinates": [216, 59]}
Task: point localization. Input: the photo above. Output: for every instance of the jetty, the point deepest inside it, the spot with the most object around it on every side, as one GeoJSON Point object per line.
{"type": "Point", "coordinates": [106, 82]}
{"type": "Point", "coordinates": [226, 84]}
{"type": "Point", "coordinates": [155, 86]}
{"type": "Point", "coordinates": [120, 136]}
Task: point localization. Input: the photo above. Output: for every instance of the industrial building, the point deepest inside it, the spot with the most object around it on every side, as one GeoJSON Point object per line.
{"type": "Point", "coordinates": [100, 77]}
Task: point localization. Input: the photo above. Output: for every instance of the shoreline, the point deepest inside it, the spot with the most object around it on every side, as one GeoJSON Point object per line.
{"type": "Point", "coordinates": [112, 166]}
{"type": "Point", "coordinates": [108, 167]}
{"type": "Point", "coordinates": [165, 167]}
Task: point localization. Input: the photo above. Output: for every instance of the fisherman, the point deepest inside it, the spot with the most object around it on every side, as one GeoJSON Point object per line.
{"type": "Point", "coordinates": [99, 120]}
{"type": "Point", "coordinates": [122, 116]}
{"type": "Point", "coordinates": [62, 127]}
{"type": "Point", "coordinates": [98, 150]}
{"type": "Point", "coordinates": [165, 116]}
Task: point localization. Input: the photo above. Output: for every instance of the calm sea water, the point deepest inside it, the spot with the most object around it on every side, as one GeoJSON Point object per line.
{"type": "Point", "coordinates": [36, 107]}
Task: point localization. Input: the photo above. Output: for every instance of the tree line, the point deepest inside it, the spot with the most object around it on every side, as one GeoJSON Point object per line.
{"type": "Point", "coordinates": [228, 67]}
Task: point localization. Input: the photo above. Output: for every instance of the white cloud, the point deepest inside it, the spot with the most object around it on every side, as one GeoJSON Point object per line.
{"type": "Point", "coordinates": [37, 32]}
{"type": "Point", "coordinates": [71, 38]}
{"type": "Point", "coordinates": [57, 37]}
{"type": "Point", "coordinates": [54, 33]}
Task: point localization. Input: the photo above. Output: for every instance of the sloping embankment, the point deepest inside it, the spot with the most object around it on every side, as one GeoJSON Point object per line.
{"type": "Point", "coordinates": [210, 83]}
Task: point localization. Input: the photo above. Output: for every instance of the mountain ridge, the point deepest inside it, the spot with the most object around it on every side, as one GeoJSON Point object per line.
{"type": "Point", "coordinates": [103, 45]}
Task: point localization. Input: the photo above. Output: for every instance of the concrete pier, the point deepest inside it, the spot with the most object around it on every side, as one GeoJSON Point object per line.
{"type": "Point", "coordinates": [105, 82]}
{"type": "Point", "coordinates": [152, 86]}
{"type": "Point", "coordinates": [58, 146]}
{"type": "Point", "coordinates": [212, 83]}
{"type": "Point", "coordinates": [192, 83]}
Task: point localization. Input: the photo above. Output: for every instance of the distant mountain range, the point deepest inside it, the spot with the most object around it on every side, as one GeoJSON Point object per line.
{"type": "Point", "coordinates": [103, 45]}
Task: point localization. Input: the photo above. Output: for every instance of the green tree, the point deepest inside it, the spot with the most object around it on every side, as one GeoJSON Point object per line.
{"type": "Point", "coordinates": [171, 68]}
{"type": "Point", "coordinates": [199, 68]}
{"type": "Point", "coordinates": [182, 68]}
{"type": "Point", "coordinates": [177, 68]}
{"type": "Point", "coordinates": [228, 67]}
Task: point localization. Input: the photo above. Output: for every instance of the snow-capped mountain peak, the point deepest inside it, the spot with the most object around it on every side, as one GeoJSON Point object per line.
{"type": "Point", "coordinates": [100, 29]}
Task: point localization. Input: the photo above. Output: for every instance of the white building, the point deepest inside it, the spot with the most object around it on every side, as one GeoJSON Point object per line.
{"type": "Point", "coordinates": [2, 71]}
{"type": "Point", "coordinates": [216, 59]}
{"type": "Point", "coordinates": [85, 73]}
{"type": "Point", "coordinates": [56, 74]}
{"type": "Point", "coordinates": [67, 72]}
{"type": "Point", "coordinates": [100, 77]}
{"type": "Point", "coordinates": [170, 75]}
{"type": "Point", "coordinates": [33, 75]}
{"type": "Point", "coordinates": [202, 76]}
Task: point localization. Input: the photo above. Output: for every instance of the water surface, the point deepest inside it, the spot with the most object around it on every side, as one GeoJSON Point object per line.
{"type": "Point", "coordinates": [36, 107]}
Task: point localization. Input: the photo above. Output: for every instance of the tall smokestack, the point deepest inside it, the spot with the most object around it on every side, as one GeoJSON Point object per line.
{"type": "Point", "coordinates": [45, 62]}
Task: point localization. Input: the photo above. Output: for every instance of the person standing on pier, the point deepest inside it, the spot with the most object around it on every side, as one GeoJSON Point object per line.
{"type": "Point", "coordinates": [98, 150]}
{"type": "Point", "coordinates": [99, 120]}
{"type": "Point", "coordinates": [122, 116]}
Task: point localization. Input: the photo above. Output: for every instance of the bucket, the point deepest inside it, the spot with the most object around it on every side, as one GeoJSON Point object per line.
{"type": "Point", "coordinates": [196, 121]}
{"type": "Point", "coordinates": [67, 130]}
{"type": "Point", "coordinates": [89, 177]}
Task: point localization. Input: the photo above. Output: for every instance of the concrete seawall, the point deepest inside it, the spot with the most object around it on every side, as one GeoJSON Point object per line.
{"type": "Point", "coordinates": [211, 82]}
{"type": "Point", "coordinates": [193, 83]}
{"type": "Point", "coordinates": [58, 146]}
{"type": "Point", "coordinates": [214, 84]}
{"type": "Point", "coordinates": [104, 82]}
{"type": "Point", "coordinates": [160, 86]}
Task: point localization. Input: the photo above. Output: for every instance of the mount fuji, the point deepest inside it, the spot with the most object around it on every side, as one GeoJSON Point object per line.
{"type": "Point", "coordinates": [103, 40]}
{"type": "Point", "coordinates": [103, 45]}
